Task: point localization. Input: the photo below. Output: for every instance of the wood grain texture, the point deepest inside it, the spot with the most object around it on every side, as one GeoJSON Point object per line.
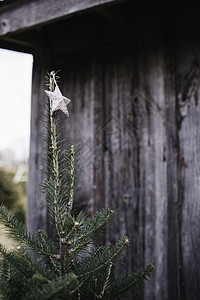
{"type": "Point", "coordinates": [37, 215]}
{"type": "Point", "coordinates": [143, 175]}
{"type": "Point", "coordinates": [170, 154]}
{"type": "Point", "coordinates": [135, 109]}
{"type": "Point", "coordinates": [29, 14]}
{"type": "Point", "coordinates": [188, 166]}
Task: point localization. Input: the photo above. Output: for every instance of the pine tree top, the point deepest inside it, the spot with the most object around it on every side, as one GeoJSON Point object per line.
{"type": "Point", "coordinates": [74, 267]}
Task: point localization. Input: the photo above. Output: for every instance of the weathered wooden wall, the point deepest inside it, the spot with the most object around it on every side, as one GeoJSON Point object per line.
{"type": "Point", "coordinates": [135, 113]}
{"type": "Point", "coordinates": [134, 88]}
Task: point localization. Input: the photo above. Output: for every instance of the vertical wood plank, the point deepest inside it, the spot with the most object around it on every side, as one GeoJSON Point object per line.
{"type": "Point", "coordinates": [170, 155]}
{"type": "Point", "coordinates": [153, 174]}
{"type": "Point", "coordinates": [189, 170]}
{"type": "Point", "coordinates": [37, 216]}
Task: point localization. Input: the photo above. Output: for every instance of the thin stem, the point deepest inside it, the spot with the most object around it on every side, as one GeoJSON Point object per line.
{"type": "Point", "coordinates": [107, 281]}
{"type": "Point", "coordinates": [55, 157]}
{"type": "Point", "coordinates": [64, 244]}
{"type": "Point", "coordinates": [63, 240]}
{"type": "Point", "coordinates": [72, 178]}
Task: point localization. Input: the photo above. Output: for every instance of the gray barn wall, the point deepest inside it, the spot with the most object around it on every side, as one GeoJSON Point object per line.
{"type": "Point", "coordinates": [135, 110]}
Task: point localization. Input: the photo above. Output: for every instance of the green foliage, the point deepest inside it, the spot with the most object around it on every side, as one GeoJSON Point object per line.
{"type": "Point", "coordinates": [10, 194]}
{"type": "Point", "coordinates": [75, 267]}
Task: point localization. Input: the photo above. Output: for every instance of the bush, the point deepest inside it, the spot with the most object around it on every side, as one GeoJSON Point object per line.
{"type": "Point", "coordinates": [10, 194]}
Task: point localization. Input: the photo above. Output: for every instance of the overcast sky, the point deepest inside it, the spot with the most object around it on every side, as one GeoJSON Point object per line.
{"type": "Point", "coordinates": [15, 97]}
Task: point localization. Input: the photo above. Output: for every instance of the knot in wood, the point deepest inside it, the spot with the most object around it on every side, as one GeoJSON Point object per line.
{"type": "Point", "coordinates": [4, 27]}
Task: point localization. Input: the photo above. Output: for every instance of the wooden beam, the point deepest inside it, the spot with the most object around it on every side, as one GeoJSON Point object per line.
{"type": "Point", "coordinates": [20, 42]}
{"type": "Point", "coordinates": [14, 45]}
{"type": "Point", "coordinates": [29, 14]}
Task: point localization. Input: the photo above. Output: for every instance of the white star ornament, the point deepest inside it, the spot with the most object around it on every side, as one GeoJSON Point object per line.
{"type": "Point", "coordinates": [58, 101]}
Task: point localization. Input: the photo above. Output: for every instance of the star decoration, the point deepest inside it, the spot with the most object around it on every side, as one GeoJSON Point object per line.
{"type": "Point", "coordinates": [58, 101]}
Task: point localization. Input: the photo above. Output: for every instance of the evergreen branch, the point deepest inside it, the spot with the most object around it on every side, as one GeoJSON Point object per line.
{"type": "Point", "coordinates": [92, 226]}
{"type": "Point", "coordinates": [99, 282]}
{"type": "Point", "coordinates": [106, 281]}
{"type": "Point", "coordinates": [78, 286]}
{"type": "Point", "coordinates": [101, 250]}
{"type": "Point", "coordinates": [103, 259]}
{"type": "Point", "coordinates": [22, 263]}
{"type": "Point", "coordinates": [52, 258]}
{"type": "Point", "coordinates": [73, 230]}
{"type": "Point", "coordinates": [128, 282]}
{"type": "Point", "coordinates": [3, 250]}
{"type": "Point", "coordinates": [5, 274]}
{"type": "Point", "coordinates": [54, 138]}
{"type": "Point", "coordinates": [64, 182]}
{"type": "Point", "coordinates": [57, 200]}
{"type": "Point", "coordinates": [56, 176]}
{"type": "Point", "coordinates": [12, 258]}
{"type": "Point", "coordinates": [20, 232]}
{"type": "Point", "coordinates": [35, 268]}
{"type": "Point", "coordinates": [72, 178]}
{"type": "Point", "coordinates": [52, 289]}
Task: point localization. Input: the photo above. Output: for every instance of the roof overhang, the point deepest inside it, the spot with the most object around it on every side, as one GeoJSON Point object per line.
{"type": "Point", "coordinates": [64, 26]}
{"type": "Point", "coordinates": [26, 15]}
{"type": "Point", "coordinates": [25, 24]}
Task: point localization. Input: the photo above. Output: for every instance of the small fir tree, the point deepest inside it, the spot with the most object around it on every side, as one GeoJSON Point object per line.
{"type": "Point", "coordinates": [74, 267]}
